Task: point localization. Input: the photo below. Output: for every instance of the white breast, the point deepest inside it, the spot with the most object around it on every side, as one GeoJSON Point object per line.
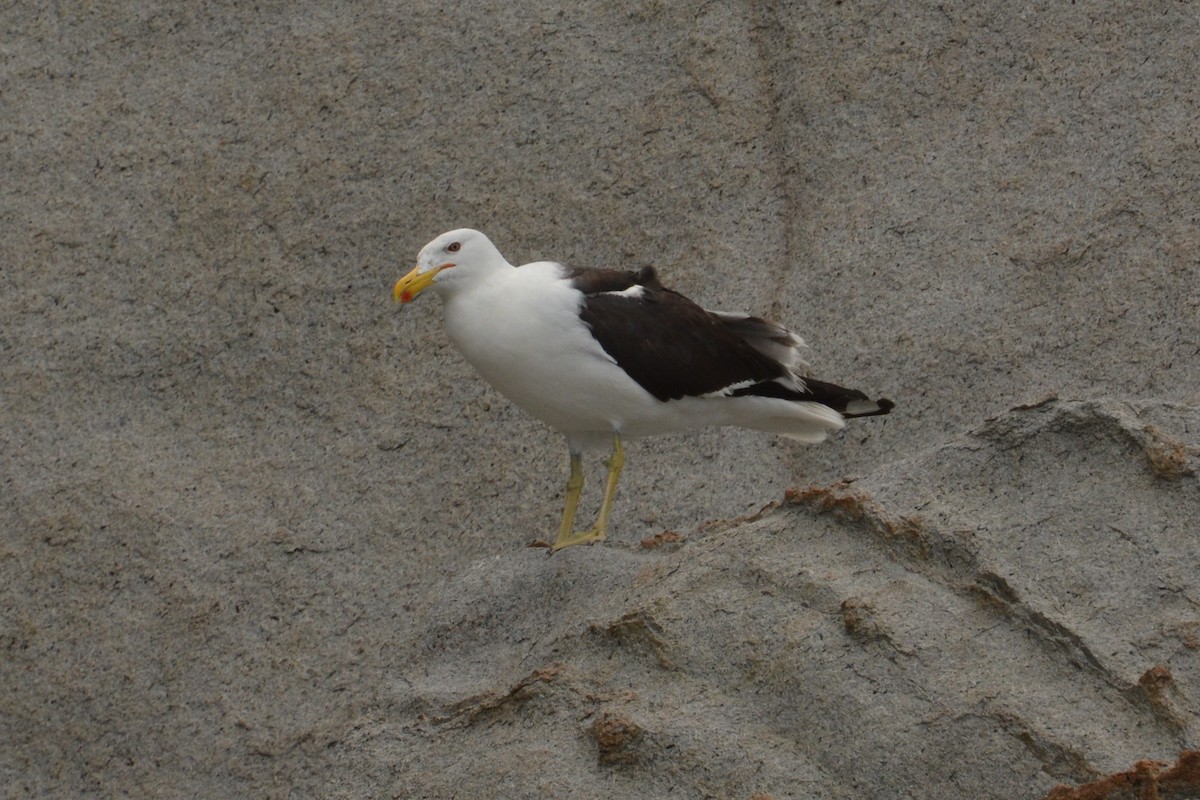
{"type": "Point", "coordinates": [521, 330]}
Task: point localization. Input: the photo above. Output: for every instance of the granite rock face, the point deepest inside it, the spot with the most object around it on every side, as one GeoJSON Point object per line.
{"type": "Point", "coordinates": [1012, 609]}
{"type": "Point", "coordinates": [263, 535]}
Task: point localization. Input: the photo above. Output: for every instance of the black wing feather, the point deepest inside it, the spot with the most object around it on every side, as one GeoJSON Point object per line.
{"type": "Point", "coordinates": [672, 347]}
{"type": "Point", "coordinates": [839, 398]}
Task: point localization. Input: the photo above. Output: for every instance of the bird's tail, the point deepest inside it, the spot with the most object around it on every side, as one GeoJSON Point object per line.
{"type": "Point", "coordinates": [806, 422]}
{"type": "Point", "coordinates": [868, 408]}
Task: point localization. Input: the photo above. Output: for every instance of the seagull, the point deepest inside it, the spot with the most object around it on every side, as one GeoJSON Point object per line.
{"type": "Point", "coordinates": [602, 355]}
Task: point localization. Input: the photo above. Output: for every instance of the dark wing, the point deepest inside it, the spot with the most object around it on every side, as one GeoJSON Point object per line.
{"type": "Point", "coordinates": [672, 347]}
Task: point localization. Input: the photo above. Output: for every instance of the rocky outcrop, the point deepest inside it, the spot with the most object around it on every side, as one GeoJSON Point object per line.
{"type": "Point", "coordinates": [262, 536]}
{"type": "Point", "coordinates": [1010, 611]}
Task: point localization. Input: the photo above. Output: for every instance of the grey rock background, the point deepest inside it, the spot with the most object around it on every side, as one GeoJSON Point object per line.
{"type": "Point", "coordinates": [262, 534]}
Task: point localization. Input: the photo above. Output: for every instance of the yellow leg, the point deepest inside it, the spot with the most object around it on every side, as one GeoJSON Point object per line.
{"type": "Point", "coordinates": [615, 463]}
{"type": "Point", "coordinates": [574, 489]}
{"type": "Point", "coordinates": [567, 537]}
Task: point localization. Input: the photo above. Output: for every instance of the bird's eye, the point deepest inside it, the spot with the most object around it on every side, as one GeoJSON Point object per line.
{"type": "Point", "coordinates": [453, 247]}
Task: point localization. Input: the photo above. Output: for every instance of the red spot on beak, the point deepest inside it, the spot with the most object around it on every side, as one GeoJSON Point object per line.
{"type": "Point", "coordinates": [406, 296]}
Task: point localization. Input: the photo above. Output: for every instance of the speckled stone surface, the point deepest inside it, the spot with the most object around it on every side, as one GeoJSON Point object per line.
{"type": "Point", "coordinates": [261, 533]}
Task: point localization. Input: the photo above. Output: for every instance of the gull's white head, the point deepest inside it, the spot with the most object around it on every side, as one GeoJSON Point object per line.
{"type": "Point", "coordinates": [452, 257]}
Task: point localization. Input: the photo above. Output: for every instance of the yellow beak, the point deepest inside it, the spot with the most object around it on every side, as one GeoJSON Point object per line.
{"type": "Point", "coordinates": [415, 282]}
